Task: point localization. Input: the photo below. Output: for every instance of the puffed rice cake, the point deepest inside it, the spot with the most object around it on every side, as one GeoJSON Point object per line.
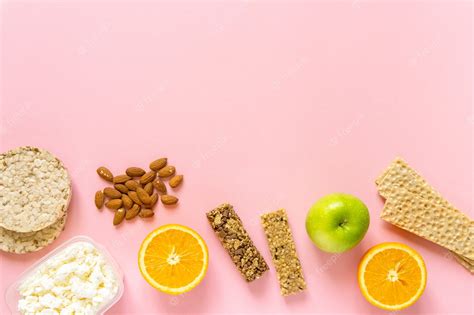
{"type": "Point", "coordinates": [21, 243]}
{"type": "Point", "coordinates": [35, 189]}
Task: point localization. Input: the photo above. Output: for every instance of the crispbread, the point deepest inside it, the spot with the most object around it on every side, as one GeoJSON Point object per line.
{"type": "Point", "coordinates": [400, 175]}
{"type": "Point", "coordinates": [444, 226]}
{"type": "Point", "coordinates": [466, 263]}
{"type": "Point", "coordinates": [35, 189]}
{"type": "Point", "coordinates": [21, 243]}
{"type": "Point", "coordinates": [399, 178]}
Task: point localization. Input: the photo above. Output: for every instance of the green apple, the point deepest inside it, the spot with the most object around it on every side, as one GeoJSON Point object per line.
{"type": "Point", "coordinates": [337, 222]}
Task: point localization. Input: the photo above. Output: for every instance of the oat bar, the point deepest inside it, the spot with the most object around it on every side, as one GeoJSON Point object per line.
{"type": "Point", "coordinates": [283, 250]}
{"type": "Point", "coordinates": [235, 239]}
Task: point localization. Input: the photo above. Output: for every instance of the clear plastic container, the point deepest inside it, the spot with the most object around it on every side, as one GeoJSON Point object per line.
{"type": "Point", "coordinates": [12, 295]}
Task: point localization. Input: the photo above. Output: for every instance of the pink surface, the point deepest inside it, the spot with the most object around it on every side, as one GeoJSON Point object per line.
{"type": "Point", "coordinates": [263, 105]}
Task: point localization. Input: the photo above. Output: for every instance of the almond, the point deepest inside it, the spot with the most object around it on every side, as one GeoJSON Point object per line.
{"type": "Point", "coordinates": [167, 171]}
{"type": "Point", "coordinates": [105, 174]}
{"type": "Point", "coordinates": [131, 184]}
{"type": "Point", "coordinates": [176, 181]}
{"type": "Point", "coordinates": [122, 188]}
{"type": "Point", "coordinates": [147, 178]}
{"type": "Point", "coordinates": [99, 199]}
{"type": "Point", "coordinates": [120, 179]}
{"type": "Point", "coordinates": [149, 188]}
{"type": "Point", "coordinates": [112, 193]}
{"type": "Point", "coordinates": [158, 164]}
{"type": "Point", "coordinates": [135, 171]}
{"type": "Point", "coordinates": [168, 200]}
{"type": "Point", "coordinates": [133, 195]}
{"type": "Point", "coordinates": [114, 204]}
{"type": "Point", "coordinates": [132, 212]}
{"type": "Point", "coordinates": [154, 199]}
{"type": "Point", "coordinates": [146, 213]}
{"type": "Point", "coordinates": [127, 201]}
{"type": "Point", "coordinates": [143, 195]}
{"type": "Point", "coordinates": [119, 216]}
{"type": "Point", "coordinates": [160, 186]}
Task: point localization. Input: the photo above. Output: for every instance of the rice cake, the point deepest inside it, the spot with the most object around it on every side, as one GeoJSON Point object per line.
{"type": "Point", "coordinates": [21, 243]}
{"type": "Point", "coordinates": [283, 250]}
{"type": "Point", "coordinates": [35, 189]}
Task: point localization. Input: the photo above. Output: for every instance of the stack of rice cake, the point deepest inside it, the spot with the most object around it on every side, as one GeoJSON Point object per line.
{"type": "Point", "coordinates": [35, 190]}
{"type": "Point", "coordinates": [413, 205]}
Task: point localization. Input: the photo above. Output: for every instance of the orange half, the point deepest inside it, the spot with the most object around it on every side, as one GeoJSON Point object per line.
{"type": "Point", "coordinates": [173, 259]}
{"type": "Point", "coordinates": [392, 276]}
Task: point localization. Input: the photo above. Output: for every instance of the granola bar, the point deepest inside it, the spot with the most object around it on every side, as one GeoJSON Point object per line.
{"type": "Point", "coordinates": [283, 250]}
{"type": "Point", "coordinates": [235, 239]}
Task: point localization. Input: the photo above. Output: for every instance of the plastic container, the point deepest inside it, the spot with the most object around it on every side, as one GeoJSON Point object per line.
{"type": "Point", "coordinates": [12, 295]}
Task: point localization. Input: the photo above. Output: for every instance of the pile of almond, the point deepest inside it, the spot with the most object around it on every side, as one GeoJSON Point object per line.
{"type": "Point", "coordinates": [133, 193]}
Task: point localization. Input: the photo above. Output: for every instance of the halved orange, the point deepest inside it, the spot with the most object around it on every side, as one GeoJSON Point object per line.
{"type": "Point", "coordinates": [392, 276]}
{"type": "Point", "coordinates": [173, 259]}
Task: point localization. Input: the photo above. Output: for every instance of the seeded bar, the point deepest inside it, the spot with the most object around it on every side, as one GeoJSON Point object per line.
{"type": "Point", "coordinates": [235, 239]}
{"type": "Point", "coordinates": [283, 250]}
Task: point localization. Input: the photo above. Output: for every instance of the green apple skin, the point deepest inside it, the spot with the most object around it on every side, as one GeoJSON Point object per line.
{"type": "Point", "coordinates": [337, 222]}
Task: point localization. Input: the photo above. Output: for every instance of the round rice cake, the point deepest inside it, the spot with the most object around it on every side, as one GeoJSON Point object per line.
{"type": "Point", "coordinates": [35, 189]}
{"type": "Point", "coordinates": [21, 243]}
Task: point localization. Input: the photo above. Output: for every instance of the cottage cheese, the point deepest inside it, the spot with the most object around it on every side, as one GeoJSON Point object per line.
{"type": "Point", "coordinates": [77, 280]}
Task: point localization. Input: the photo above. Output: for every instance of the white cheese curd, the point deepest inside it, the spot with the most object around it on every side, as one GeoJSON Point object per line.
{"type": "Point", "coordinates": [77, 280]}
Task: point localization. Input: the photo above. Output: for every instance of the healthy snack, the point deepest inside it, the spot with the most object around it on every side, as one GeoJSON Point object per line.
{"type": "Point", "coordinates": [176, 180]}
{"type": "Point", "coordinates": [134, 196]}
{"type": "Point", "coordinates": [135, 171]}
{"type": "Point", "coordinates": [392, 276]}
{"type": "Point", "coordinates": [169, 199]}
{"type": "Point", "coordinates": [105, 173]}
{"type": "Point", "coordinates": [430, 221]}
{"type": "Point", "coordinates": [119, 216]}
{"type": "Point", "coordinates": [147, 178]}
{"type": "Point", "coordinates": [127, 202]}
{"type": "Point", "coordinates": [76, 280]}
{"type": "Point", "coordinates": [136, 187]}
{"type": "Point", "coordinates": [425, 212]}
{"type": "Point", "coordinates": [143, 196]}
{"type": "Point", "coordinates": [146, 213]}
{"type": "Point", "coordinates": [132, 185]}
{"type": "Point", "coordinates": [173, 259]}
{"type": "Point", "coordinates": [229, 229]}
{"type": "Point", "coordinates": [132, 212]}
{"type": "Point", "coordinates": [112, 193]}
{"type": "Point", "coordinates": [149, 188]}
{"type": "Point", "coordinates": [114, 204]}
{"type": "Point", "coordinates": [166, 171]}
{"type": "Point", "coordinates": [160, 186]}
{"type": "Point", "coordinates": [283, 250]}
{"type": "Point", "coordinates": [21, 243]}
{"type": "Point", "coordinates": [158, 164]}
{"type": "Point", "coordinates": [337, 222]}
{"type": "Point", "coordinates": [120, 179]}
{"type": "Point", "coordinates": [35, 189]}
{"type": "Point", "coordinates": [466, 263]}
{"type": "Point", "coordinates": [153, 199]}
{"type": "Point", "coordinates": [99, 199]}
{"type": "Point", "coordinates": [122, 188]}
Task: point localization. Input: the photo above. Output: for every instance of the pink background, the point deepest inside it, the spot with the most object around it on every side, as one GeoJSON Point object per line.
{"type": "Point", "coordinates": [263, 105]}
